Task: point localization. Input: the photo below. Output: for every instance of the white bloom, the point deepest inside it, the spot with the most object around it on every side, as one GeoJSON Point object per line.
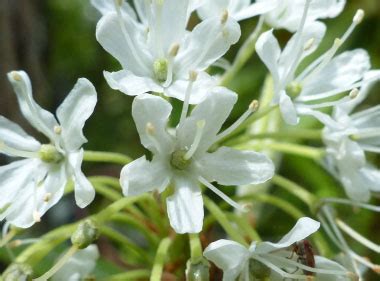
{"type": "Point", "coordinates": [238, 9]}
{"type": "Point", "coordinates": [326, 77]}
{"type": "Point", "coordinates": [267, 259]}
{"type": "Point", "coordinates": [31, 186]}
{"type": "Point", "coordinates": [288, 13]}
{"type": "Point", "coordinates": [158, 52]}
{"type": "Point", "coordinates": [182, 159]}
{"type": "Point", "coordinates": [79, 266]}
{"type": "Point", "coordinates": [349, 138]}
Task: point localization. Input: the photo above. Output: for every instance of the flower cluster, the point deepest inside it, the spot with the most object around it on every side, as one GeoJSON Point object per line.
{"type": "Point", "coordinates": [164, 55]}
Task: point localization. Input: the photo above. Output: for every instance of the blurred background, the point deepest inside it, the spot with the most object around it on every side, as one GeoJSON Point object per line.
{"type": "Point", "coordinates": [54, 42]}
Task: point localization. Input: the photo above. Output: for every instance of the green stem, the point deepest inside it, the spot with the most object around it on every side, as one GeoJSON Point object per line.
{"type": "Point", "coordinates": [244, 226]}
{"type": "Point", "coordinates": [195, 248]}
{"type": "Point", "coordinates": [245, 52]}
{"type": "Point", "coordinates": [110, 181]}
{"type": "Point", "coordinates": [159, 261]}
{"type": "Point", "coordinates": [58, 265]}
{"type": "Point", "coordinates": [298, 191]}
{"type": "Point", "coordinates": [108, 193]}
{"type": "Point", "coordinates": [223, 221]}
{"type": "Point", "coordinates": [131, 275]}
{"type": "Point", "coordinates": [106, 157]}
{"type": "Point", "coordinates": [289, 148]}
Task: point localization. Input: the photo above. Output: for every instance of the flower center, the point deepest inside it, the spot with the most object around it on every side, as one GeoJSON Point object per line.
{"type": "Point", "coordinates": [179, 160]}
{"type": "Point", "coordinates": [294, 89]}
{"type": "Point", "coordinates": [49, 154]}
{"type": "Point", "coordinates": [160, 69]}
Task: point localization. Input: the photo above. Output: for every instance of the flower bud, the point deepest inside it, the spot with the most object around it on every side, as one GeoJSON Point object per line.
{"type": "Point", "coordinates": [198, 271]}
{"type": "Point", "coordinates": [86, 233]}
{"type": "Point", "coordinates": [18, 272]}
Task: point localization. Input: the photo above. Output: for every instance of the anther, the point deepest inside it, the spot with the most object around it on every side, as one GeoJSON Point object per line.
{"type": "Point", "coordinates": [174, 50]}
{"type": "Point", "coordinates": [16, 76]}
{"type": "Point", "coordinates": [358, 18]}
{"type": "Point", "coordinates": [309, 44]}
{"type": "Point", "coordinates": [47, 197]}
{"type": "Point", "coordinates": [254, 106]}
{"type": "Point", "coordinates": [224, 17]}
{"type": "Point", "coordinates": [119, 2]}
{"type": "Point", "coordinates": [193, 75]}
{"type": "Point", "coordinates": [150, 129]}
{"type": "Point", "coordinates": [36, 216]}
{"type": "Point", "coordinates": [354, 93]}
{"type": "Point", "coordinates": [58, 130]}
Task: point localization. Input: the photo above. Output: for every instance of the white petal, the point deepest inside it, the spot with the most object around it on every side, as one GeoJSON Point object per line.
{"type": "Point", "coordinates": [342, 72]}
{"type": "Point", "coordinates": [130, 84]}
{"type": "Point", "coordinates": [323, 263]}
{"type": "Point", "coordinates": [255, 10]}
{"type": "Point", "coordinates": [229, 256]}
{"type": "Point", "coordinates": [74, 112]}
{"type": "Point", "coordinates": [210, 9]}
{"type": "Point", "coordinates": [84, 191]}
{"type": "Point", "coordinates": [288, 109]}
{"type": "Point", "coordinates": [108, 6]}
{"type": "Point", "coordinates": [269, 51]}
{"type": "Point", "coordinates": [304, 227]}
{"type": "Point", "coordinates": [79, 266]}
{"type": "Point", "coordinates": [110, 35]}
{"type": "Point", "coordinates": [142, 176]}
{"type": "Point", "coordinates": [185, 207]}
{"type": "Point", "coordinates": [372, 177]}
{"type": "Point", "coordinates": [14, 136]}
{"type": "Point", "coordinates": [214, 110]}
{"type": "Point", "coordinates": [155, 111]}
{"type": "Point", "coordinates": [208, 41]}
{"type": "Point", "coordinates": [38, 117]}
{"type": "Point", "coordinates": [228, 166]}
{"type": "Point", "coordinates": [200, 89]}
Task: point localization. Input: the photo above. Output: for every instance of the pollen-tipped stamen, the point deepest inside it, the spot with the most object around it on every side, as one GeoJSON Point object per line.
{"type": "Point", "coordinates": [228, 200]}
{"type": "Point", "coordinates": [193, 75]}
{"type": "Point", "coordinates": [198, 136]}
{"type": "Point", "coordinates": [252, 108]}
{"type": "Point", "coordinates": [151, 131]}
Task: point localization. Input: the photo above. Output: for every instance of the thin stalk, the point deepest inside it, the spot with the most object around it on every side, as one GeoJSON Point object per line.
{"type": "Point", "coordinates": [221, 217]}
{"type": "Point", "coordinates": [106, 157]}
{"type": "Point", "coordinates": [195, 248]}
{"type": "Point", "coordinates": [131, 275]}
{"type": "Point", "coordinates": [244, 226]}
{"type": "Point", "coordinates": [159, 261]}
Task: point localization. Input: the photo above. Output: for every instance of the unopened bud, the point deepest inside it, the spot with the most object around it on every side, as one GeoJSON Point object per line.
{"type": "Point", "coordinates": [17, 272]}
{"type": "Point", "coordinates": [198, 271]}
{"type": "Point", "coordinates": [86, 233]}
{"type": "Point", "coordinates": [358, 18]}
{"type": "Point", "coordinates": [254, 105]}
{"type": "Point", "coordinates": [224, 17]}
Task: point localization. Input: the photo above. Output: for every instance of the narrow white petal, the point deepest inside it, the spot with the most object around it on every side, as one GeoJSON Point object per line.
{"type": "Point", "coordinates": [74, 112]}
{"type": "Point", "coordinates": [288, 109]}
{"type": "Point", "coordinates": [108, 6]}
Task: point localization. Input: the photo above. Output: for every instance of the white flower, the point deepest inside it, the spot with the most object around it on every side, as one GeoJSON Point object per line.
{"type": "Point", "coordinates": [158, 52]}
{"type": "Point", "coordinates": [79, 266]}
{"type": "Point", "coordinates": [31, 186]}
{"type": "Point", "coordinates": [288, 13]}
{"type": "Point", "coordinates": [271, 261]}
{"type": "Point", "coordinates": [349, 138]}
{"type": "Point", "coordinates": [238, 9]}
{"type": "Point", "coordinates": [326, 77]}
{"type": "Point", "coordinates": [181, 158]}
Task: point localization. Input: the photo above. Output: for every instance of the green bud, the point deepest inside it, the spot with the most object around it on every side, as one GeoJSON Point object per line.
{"type": "Point", "coordinates": [160, 69]}
{"type": "Point", "coordinates": [258, 271]}
{"type": "Point", "coordinates": [178, 160]}
{"type": "Point", "coordinates": [49, 154]}
{"type": "Point", "coordinates": [86, 233]}
{"type": "Point", "coordinates": [18, 272]}
{"type": "Point", "coordinates": [294, 89]}
{"type": "Point", "coordinates": [199, 271]}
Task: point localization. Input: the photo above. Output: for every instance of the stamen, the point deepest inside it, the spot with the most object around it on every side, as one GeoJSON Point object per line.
{"type": "Point", "coordinates": [58, 130]}
{"type": "Point", "coordinates": [352, 203]}
{"type": "Point", "coordinates": [16, 76]}
{"type": "Point", "coordinates": [354, 93]}
{"type": "Point", "coordinates": [239, 207]}
{"type": "Point", "coordinates": [174, 50]}
{"type": "Point", "coordinates": [309, 44]}
{"type": "Point", "coordinates": [47, 197]}
{"type": "Point", "coordinates": [357, 19]}
{"type": "Point", "coordinates": [36, 216]}
{"type": "Point", "coordinates": [198, 136]}
{"type": "Point", "coordinates": [193, 75]}
{"type": "Point", "coordinates": [151, 131]}
{"type": "Point", "coordinates": [252, 108]}
{"type": "Point", "coordinates": [370, 148]}
{"type": "Point", "coordinates": [224, 17]}
{"type": "Point", "coordinates": [328, 104]}
{"type": "Point", "coordinates": [16, 152]}
{"type": "Point", "coordinates": [366, 262]}
{"type": "Point", "coordinates": [357, 236]}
